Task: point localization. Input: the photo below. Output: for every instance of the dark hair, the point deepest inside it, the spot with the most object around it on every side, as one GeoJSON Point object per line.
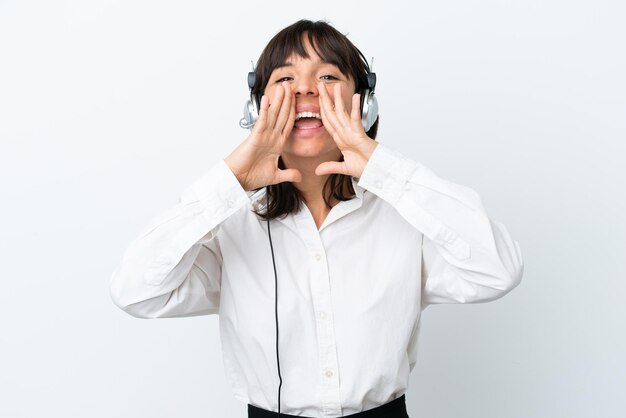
{"type": "Point", "coordinates": [333, 47]}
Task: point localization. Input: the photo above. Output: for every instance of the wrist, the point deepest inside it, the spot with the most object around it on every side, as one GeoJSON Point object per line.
{"type": "Point", "coordinates": [230, 162]}
{"type": "Point", "coordinates": [366, 150]}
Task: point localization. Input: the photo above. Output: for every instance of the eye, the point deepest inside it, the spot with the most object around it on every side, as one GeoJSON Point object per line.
{"type": "Point", "coordinates": [280, 80]}
{"type": "Point", "coordinates": [329, 77]}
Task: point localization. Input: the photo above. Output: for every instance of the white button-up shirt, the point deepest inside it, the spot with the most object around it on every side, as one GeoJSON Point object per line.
{"type": "Point", "coordinates": [350, 294]}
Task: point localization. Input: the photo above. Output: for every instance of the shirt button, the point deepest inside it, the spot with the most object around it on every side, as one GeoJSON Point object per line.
{"type": "Point", "coordinates": [323, 315]}
{"type": "Point", "coordinates": [230, 203]}
{"type": "Point", "coordinates": [329, 373]}
{"type": "Point", "coordinates": [379, 185]}
{"type": "Point", "coordinates": [318, 257]}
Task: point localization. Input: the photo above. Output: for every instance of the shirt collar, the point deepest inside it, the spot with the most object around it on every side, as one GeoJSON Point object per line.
{"type": "Point", "coordinates": [258, 198]}
{"type": "Point", "coordinates": [357, 188]}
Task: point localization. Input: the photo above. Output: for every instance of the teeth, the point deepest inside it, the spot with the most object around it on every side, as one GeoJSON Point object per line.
{"type": "Point", "coordinates": [308, 115]}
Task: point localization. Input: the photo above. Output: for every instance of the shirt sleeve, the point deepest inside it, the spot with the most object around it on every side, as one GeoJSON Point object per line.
{"type": "Point", "coordinates": [466, 256]}
{"type": "Point", "coordinates": [173, 268]}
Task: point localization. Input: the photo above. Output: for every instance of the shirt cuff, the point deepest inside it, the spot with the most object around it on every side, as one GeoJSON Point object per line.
{"type": "Point", "coordinates": [218, 187]}
{"type": "Point", "coordinates": [386, 173]}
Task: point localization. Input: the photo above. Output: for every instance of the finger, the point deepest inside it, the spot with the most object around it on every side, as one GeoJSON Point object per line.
{"type": "Point", "coordinates": [326, 121]}
{"type": "Point", "coordinates": [262, 117]}
{"type": "Point", "coordinates": [285, 107]}
{"type": "Point", "coordinates": [292, 116]}
{"type": "Point", "coordinates": [341, 112]}
{"type": "Point", "coordinates": [331, 167]}
{"type": "Point", "coordinates": [355, 114]}
{"type": "Point", "coordinates": [327, 125]}
{"type": "Point", "coordinates": [340, 106]}
{"type": "Point", "coordinates": [326, 106]}
{"type": "Point", "coordinates": [275, 106]}
{"type": "Point", "coordinates": [289, 174]}
{"type": "Point", "coordinates": [321, 88]}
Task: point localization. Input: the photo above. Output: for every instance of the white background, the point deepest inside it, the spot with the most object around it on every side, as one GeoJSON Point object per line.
{"type": "Point", "coordinates": [109, 109]}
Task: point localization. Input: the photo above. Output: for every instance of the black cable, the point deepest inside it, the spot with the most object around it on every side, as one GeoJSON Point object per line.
{"type": "Point", "coordinates": [269, 234]}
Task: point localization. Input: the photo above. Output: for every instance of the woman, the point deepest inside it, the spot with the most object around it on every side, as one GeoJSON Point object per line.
{"type": "Point", "coordinates": [313, 228]}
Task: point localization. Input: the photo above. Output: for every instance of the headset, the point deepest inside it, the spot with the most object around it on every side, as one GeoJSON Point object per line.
{"type": "Point", "coordinates": [369, 104]}
{"type": "Point", "coordinates": [369, 114]}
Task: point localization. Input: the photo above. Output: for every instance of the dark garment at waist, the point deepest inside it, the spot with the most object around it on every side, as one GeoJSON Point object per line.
{"type": "Point", "coordinates": [393, 409]}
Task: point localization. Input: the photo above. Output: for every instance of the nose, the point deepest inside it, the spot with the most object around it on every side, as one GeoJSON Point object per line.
{"type": "Point", "coordinates": [305, 87]}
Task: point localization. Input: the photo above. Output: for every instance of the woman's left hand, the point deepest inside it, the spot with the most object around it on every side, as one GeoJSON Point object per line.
{"type": "Point", "coordinates": [347, 131]}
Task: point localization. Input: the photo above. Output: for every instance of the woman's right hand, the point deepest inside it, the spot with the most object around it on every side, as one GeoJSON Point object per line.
{"type": "Point", "coordinates": [255, 161]}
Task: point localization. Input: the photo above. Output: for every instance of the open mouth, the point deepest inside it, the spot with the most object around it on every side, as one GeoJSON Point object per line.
{"type": "Point", "coordinates": [308, 120]}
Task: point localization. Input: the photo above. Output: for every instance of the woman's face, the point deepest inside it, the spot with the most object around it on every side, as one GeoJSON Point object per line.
{"type": "Point", "coordinates": [308, 137]}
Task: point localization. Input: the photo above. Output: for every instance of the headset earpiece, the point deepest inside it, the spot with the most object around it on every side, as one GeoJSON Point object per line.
{"type": "Point", "coordinates": [251, 80]}
{"type": "Point", "coordinates": [252, 105]}
{"type": "Point", "coordinates": [369, 104]}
